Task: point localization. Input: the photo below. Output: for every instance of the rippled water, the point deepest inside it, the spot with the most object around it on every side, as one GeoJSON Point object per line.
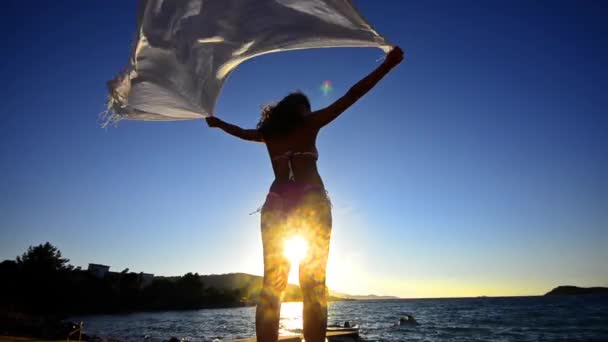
{"type": "Point", "coordinates": [473, 319]}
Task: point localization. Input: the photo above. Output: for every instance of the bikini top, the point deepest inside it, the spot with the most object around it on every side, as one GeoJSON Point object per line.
{"type": "Point", "coordinates": [289, 154]}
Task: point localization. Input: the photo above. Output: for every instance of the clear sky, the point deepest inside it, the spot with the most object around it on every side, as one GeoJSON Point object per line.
{"type": "Point", "coordinates": [477, 167]}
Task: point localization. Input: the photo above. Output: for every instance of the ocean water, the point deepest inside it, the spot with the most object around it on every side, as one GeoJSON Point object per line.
{"type": "Point", "coordinates": [470, 319]}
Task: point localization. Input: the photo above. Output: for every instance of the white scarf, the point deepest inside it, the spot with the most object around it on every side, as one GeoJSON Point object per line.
{"type": "Point", "coordinates": [185, 49]}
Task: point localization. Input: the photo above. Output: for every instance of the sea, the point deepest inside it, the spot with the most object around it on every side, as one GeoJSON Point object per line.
{"type": "Point", "coordinates": [577, 318]}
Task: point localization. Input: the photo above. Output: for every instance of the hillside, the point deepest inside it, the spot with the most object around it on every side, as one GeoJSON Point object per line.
{"type": "Point", "coordinates": [360, 297]}
{"type": "Point", "coordinates": [250, 286]}
{"type": "Point", "coordinates": [575, 290]}
{"type": "Point", "coordinates": [248, 283]}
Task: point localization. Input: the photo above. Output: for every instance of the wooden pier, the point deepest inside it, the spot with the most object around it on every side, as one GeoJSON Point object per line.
{"type": "Point", "coordinates": [332, 336]}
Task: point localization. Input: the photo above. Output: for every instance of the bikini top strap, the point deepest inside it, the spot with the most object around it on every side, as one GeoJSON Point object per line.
{"type": "Point", "coordinates": [290, 154]}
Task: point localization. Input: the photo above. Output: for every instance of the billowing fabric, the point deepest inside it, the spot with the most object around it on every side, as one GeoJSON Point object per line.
{"type": "Point", "coordinates": [185, 50]}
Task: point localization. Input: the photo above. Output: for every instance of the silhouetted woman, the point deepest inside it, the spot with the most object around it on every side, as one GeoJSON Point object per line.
{"type": "Point", "coordinates": [297, 202]}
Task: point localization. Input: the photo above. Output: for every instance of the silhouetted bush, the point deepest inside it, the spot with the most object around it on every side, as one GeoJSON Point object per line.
{"type": "Point", "coordinates": [42, 282]}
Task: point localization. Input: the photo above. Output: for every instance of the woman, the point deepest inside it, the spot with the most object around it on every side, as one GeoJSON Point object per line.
{"type": "Point", "coordinates": [297, 202]}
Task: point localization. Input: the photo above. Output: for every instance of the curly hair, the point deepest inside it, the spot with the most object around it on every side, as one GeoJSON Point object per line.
{"type": "Point", "coordinates": [283, 117]}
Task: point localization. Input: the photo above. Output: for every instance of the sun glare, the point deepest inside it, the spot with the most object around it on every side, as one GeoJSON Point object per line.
{"type": "Point", "coordinates": [295, 249]}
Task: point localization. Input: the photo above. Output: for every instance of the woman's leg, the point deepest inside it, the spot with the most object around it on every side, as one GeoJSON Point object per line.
{"type": "Point", "coordinates": [276, 271]}
{"type": "Point", "coordinates": [316, 216]}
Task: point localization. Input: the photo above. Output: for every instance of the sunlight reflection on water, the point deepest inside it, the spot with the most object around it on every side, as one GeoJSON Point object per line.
{"type": "Point", "coordinates": [291, 319]}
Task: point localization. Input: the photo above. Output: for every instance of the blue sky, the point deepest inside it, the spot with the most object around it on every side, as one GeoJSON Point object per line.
{"type": "Point", "coordinates": [477, 167]}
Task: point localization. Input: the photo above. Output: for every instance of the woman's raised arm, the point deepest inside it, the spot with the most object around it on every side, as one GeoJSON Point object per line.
{"type": "Point", "coordinates": [328, 114]}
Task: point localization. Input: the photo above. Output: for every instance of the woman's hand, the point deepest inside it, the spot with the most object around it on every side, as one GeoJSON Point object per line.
{"type": "Point", "coordinates": [212, 121]}
{"type": "Point", "coordinates": [329, 113]}
{"type": "Point", "coordinates": [245, 134]}
{"type": "Point", "coordinates": [394, 57]}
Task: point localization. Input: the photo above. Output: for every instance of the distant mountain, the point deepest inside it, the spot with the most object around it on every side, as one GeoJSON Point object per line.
{"type": "Point", "coordinates": [360, 297]}
{"type": "Point", "coordinates": [372, 297]}
{"type": "Point", "coordinates": [250, 286]}
{"type": "Point", "coordinates": [575, 290]}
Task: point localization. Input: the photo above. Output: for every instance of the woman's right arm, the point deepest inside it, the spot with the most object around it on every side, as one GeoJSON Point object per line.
{"type": "Point", "coordinates": [328, 114]}
{"type": "Point", "coordinates": [245, 134]}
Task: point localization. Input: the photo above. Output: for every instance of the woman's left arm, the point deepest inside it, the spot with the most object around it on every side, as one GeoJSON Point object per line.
{"type": "Point", "coordinates": [328, 114]}
{"type": "Point", "coordinates": [245, 134]}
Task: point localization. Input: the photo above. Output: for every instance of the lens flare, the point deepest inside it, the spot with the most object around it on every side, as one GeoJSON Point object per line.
{"type": "Point", "coordinates": [326, 87]}
{"type": "Point", "coordinates": [295, 249]}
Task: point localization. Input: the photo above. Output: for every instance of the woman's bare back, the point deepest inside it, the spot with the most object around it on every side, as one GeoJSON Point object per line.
{"type": "Point", "coordinates": [294, 156]}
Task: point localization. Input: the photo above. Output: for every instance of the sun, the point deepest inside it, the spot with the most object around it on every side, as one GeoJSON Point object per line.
{"type": "Point", "coordinates": [295, 249]}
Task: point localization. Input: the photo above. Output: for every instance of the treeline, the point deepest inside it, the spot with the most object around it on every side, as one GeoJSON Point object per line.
{"type": "Point", "coordinates": [42, 282]}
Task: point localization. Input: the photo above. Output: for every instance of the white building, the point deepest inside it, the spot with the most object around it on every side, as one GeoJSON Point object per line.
{"type": "Point", "coordinates": [146, 279]}
{"type": "Point", "coordinates": [98, 271]}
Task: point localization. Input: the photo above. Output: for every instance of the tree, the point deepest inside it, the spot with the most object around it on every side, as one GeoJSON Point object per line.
{"type": "Point", "coordinates": [190, 291]}
{"type": "Point", "coordinates": [9, 275]}
{"type": "Point", "coordinates": [44, 283]}
{"type": "Point", "coordinates": [43, 258]}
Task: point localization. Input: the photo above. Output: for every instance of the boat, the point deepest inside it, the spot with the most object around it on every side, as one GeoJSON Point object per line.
{"type": "Point", "coordinates": [346, 327]}
{"type": "Point", "coordinates": [332, 336]}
